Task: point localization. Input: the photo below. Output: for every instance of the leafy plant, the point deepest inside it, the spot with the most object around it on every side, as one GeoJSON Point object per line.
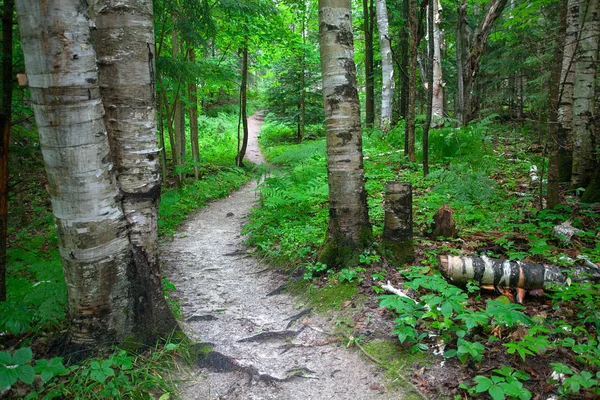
{"type": "Point", "coordinates": [505, 383]}
{"type": "Point", "coordinates": [16, 367]}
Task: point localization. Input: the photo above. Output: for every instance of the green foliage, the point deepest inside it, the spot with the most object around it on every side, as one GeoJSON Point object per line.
{"type": "Point", "coordinates": [119, 375]}
{"type": "Point", "coordinates": [505, 383]}
{"type": "Point", "coordinates": [16, 367]}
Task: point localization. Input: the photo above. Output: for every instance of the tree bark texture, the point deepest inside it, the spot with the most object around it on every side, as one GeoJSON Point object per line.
{"type": "Point", "coordinates": [92, 229]}
{"type": "Point", "coordinates": [501, 274]}
{"type": "Point", "coordinates": [387, 66]}
{"type": "Point", "coordinates": [552, 197]}
{"type": "Point", "coordinates": [178, 116]}
{"type": "Point", "coordinates": [469, 54]}
{"type": "Point", "coordinates": [404, 50]}
{"type": "Point", "coordinates": [584, 157]}
{"type": "Point", "coordinates": [398, 223]}
{"type": "Point", "coordinates": [412, 79]}
{"type": "Point", "coordinates": [349, 229]}
{"type": "Point", "coordinates": [124, 44]}
{"type": "Point", "coordinates": [5, 124]}
{"type": "Point", "coordinates": [193, 113]}
{"type": "Point", "coordinates": [437, 102]}
{"type": "Point", "coordinates": [567, 79]}
{"type": "Point", "coordinates": [430, 80]}
{"type": "Point", "coordinates": [369, 76]}
{"type": "Point", "coordinates": [243, 108]}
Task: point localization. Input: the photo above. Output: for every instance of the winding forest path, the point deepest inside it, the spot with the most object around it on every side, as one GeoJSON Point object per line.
{"type": "Point", "coordinates": [264, 346]}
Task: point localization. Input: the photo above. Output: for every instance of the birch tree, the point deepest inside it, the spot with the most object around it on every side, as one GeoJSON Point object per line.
{"type": "Point", "coordinates": [102, 253]}
{"type": "Point", "coordinates": [387, 66]}
{"type": "Point", "coordinates": [437, 102]}
{"type": "Point", "coordinates": [349, 229]}
{"type": "Point", "coordinates": [584, 157]}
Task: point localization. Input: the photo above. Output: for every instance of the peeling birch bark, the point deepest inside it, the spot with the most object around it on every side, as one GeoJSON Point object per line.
{"type": "Point", "coordinates": [398, 224]}
{"type": "Point", "coordinates": [349, 229]}
{"type": "Point", "coordinates": [501, 274]}
{"type": "Point", "coordinates": [92, 230]}
{"type": "Point", "coordinates": [437, 104]}
{"type": "Point", "coordinates": [124, 43]}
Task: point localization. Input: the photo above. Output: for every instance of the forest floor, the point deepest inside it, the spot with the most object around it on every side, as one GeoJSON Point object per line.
{"type": "Point", "coordinates": [256, 342]}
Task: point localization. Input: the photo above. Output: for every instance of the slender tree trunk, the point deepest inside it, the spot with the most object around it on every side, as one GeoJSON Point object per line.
{"type": "Point", "coordinates": [124, 44]}
{"type": "Point", "coordinates": [349, 230]}
{"type": "Point", "coordinates": [468, 55]}
{"type": "Point", "coordinates": [8, 12]}
{"type": "Point", "coordinates": [92, 229]}
{"type": "Point", "coordinates": [412, 79]}
{"type": "Point", "coordinates": [169, 118]}
{"type": "Point", "coordinates": [301, 131]}
{"type": "Point", "coordinates": [369, 76]}
{"type": "Point", "coordinates": [584, 157]}
{"type": "Point", "coordinates": [567, 79]}
{"type": "Point", "coordinates": [430, 79]}
{"type": "Point", "coordinates": [161, 136]}
{"type": "Point", "coordinates": [178, 117]}
{"type": "Point", "coordinates": [239, 160]}
{"type": "Point", "coordinates": [193, 112]}
{"type": "Point", "coordinates": [438, 79]}
{"type": "Point", "coordinates": [404, 50]}
{"type": "Point", "coordinates": [387, 66]}
{"type": "Point", "coordinates": [552, 197]}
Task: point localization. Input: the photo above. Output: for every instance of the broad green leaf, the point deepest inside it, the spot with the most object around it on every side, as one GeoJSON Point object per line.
{"type": "Point", "coordinates": [22, 356]}
{"type": "Point", "coordinates": [5, 358]}
{"type": "Point", "coordinates": [26, 373]}
{"type": "Point", "coordinates": [8, 376]}
{"type": "Point", "coordinates": [496, 392]}
{"type": "Point", "coordinates": [483, 384]}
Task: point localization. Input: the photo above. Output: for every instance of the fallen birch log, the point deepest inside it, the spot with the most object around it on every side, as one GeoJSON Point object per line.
{"type": "Point", "coordinates": [513, 278]}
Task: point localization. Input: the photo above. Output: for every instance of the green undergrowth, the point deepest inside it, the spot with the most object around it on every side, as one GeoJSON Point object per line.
{"type": "Point", "coordinates": [484, 172]}
{"type": "Point", "coordinates": [36, 308]}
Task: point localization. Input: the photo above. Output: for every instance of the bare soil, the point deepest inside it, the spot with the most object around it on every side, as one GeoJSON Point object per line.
{"type": "Point", "coordinates": [261, 346]}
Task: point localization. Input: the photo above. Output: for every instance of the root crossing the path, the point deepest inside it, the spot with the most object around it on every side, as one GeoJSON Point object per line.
{"type": "Point", "coordinates": [258, 345]}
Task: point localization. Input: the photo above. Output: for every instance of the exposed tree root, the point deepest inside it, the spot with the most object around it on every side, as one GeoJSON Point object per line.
{"type": "Point", "coordinates": [296, 317]}
{"type": "Point", "coordinates": [272, 335]}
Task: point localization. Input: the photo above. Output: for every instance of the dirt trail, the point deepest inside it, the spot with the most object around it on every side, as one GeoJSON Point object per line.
{"type": "Point", "coordinates": [264, 346]}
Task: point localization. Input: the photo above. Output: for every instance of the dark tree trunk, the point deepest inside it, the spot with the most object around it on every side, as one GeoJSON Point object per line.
{"type": "Point", "coordinates": [412, 79]}
{"type": "Point", "coordinates": [193, 112]}
{"type": "Point", "coordinates": [239, 160]}
{"type": "Point", "coordinates": [468, 55]}
{"type": "Point", "coordinates": [5, 123]}
{"type": "Point", "coordinates": [404, 49]}
{"type": "Point", "coordinates": [369, 76]}
{"type": "Point", "coordinates": [552, 197]}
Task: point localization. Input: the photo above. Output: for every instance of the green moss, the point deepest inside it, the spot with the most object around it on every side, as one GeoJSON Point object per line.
{"type": "Point", "coordinates": [399, 252]}
{"type": "Point", "coordinates": [331, 296]}
{"type": "Point", "coordinates": [396, 362]}
{"type": "Point", "coordinates": [340, 252]}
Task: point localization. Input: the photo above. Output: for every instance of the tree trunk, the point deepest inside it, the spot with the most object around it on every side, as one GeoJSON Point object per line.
{"type": "Point", "coordinates": [91, 227]}
{"type": "Point", "coordinates": [584, 157]}
{"type": "Point", "coordinates": [430, 80]}
{"type": "Point", "coordinates": [302, 129]}
{"type": "Point", "coordinates": [567, 79]}
{"type": "Point", "coordinates": [193, 112]}
{"type": "Point", "coordinates": [387, 66]}
{"type": "Point", "coordinates": [412, 79]}
{"type": "Point", "coordinates": [239, 160]}
{"type": "Point", "coordinates": [124, 44]}
{"type": "Point", "coordinates": [8, 12]}
{"type": "Point", "coordinates": [404, 49]}
{"type": "Point", "coordinates": [468, 55]}
{"type": "Point", "coordinates": [437, 102]}
{"type": "Point", "coordinates": [349, 230]}
{"type": "Point", "coordinates": [397, 238]}
{"type": "Point", "coordinates": [178, 118]}
{"type": "Point", "coordinates": [369, 77]}
{"type": "Point", "coordinates": [552, 197]}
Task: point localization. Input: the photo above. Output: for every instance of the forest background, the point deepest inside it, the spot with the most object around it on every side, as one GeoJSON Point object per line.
{"type": "Point", "coordinates": [513, 149]}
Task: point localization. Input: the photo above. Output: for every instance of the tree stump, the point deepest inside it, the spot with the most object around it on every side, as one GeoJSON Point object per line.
{"type": "Point", "coordinates": [398, 226]}
{"type": "Point", "coordinates": [443, 223]}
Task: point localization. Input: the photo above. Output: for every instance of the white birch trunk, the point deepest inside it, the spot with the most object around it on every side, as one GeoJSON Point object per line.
{"type": "Point", "coordinates": [124, 43]}
{"type": "Point", "coordinates": [348, 217]}
{"type": "Point", "coordinates": [437, 103]}
{"type": "Point", "coordinates": [583, 95]}
{"type": "Point", "coordinates": [567, 77]}
{"type": "Point", "coordinates": [387, 66]}
{"type": "Point", "coordinates": [92, 230]}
